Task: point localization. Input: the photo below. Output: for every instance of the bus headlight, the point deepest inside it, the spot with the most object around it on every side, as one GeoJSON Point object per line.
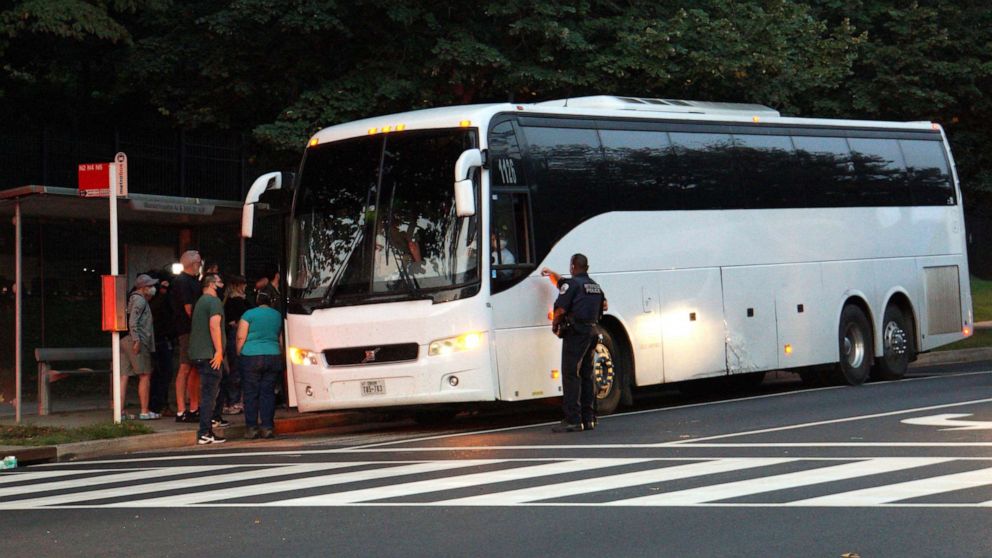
{"type": "Point", "coordinates": [464, 342]}
{"type": "Point", "coordinates": [303, 356]}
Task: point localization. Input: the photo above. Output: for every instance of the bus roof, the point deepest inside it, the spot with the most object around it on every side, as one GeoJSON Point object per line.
{"type": "Point", "coordinates": [599, 106]}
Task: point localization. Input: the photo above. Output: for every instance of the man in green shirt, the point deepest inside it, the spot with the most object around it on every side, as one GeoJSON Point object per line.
{"type": "Point", "coordinates": [206, 351]}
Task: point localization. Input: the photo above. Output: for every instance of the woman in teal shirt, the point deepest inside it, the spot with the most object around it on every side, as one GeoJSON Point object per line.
{"type": "Point", "coordinates": [260, 346]}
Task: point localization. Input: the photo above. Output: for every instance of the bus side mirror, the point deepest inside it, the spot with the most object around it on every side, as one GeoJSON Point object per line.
{"type": "Point", "coordinates": [464, 189]}
{"type": "Point", "coordinates": [282, 181]}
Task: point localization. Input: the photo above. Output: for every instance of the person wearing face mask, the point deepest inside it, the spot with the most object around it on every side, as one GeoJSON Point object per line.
{"type": "Point", "coordinates": [206, 351]}
{"type": "Point", "coordinates": [139, 344]}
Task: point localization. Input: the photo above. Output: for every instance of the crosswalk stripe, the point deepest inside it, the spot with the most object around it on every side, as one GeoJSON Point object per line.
{"type": "Point", "coordinates": [624, 480]}
{"type": "Point", "coordinates": [300, 484]}
{"type": "Point", "coordinates": [28, 476]}
{"type": "Point", "coordinates": [902, 491]}
{"type": "Point", "coordinates": [139, 475]}
{"type": "Point", "coordinates": [809, 477]}
{"type": "Point", "coordinates": [187, 483]}
{"type": "Point", "coordinates": [462, 481]}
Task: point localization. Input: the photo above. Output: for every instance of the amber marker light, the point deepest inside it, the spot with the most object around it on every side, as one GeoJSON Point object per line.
{"type": "Point", "coordinates": [400, 127]}
{"type": "Point", "coordinates": [465, 123]}
{"type": "Point", "coordinates": [966, 331]}
{"type": "Point", "coordinates": [373, 131]}
{"type": "Point", "coordinates": [788, 349]}
{"type": "Point", "coordinates": [313, 142]}
{"type": "Point", "coordinates": [755, 119]}
{"type": "Point", "coordinates": [555, 374]}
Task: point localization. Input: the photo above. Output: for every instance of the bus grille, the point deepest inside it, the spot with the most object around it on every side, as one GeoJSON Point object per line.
{"type": "Point", "coordinates": [372, 354]}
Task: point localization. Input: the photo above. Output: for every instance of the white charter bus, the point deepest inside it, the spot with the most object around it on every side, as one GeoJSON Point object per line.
{"type": "Point", "coordinates": [728, 239]}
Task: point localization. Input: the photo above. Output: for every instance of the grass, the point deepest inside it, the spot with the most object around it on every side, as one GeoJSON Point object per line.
{"type": "Point", "coordinates": [981, 299]}
{"type": "Point", "coordinates": [22, 435]}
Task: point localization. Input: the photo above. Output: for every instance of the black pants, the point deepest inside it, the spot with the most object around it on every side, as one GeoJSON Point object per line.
{"type": "Point", "coordinates": [161, 375]}
{"type": "Point", "coordinates": [577, 382]}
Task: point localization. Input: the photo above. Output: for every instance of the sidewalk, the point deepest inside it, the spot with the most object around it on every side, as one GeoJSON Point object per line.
{"type": "Point", "coordinates": [170, 434]}
{"type": "Point", "coordinates": [167, 432]}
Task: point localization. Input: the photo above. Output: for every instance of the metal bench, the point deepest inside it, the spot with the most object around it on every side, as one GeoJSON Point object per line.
{"type": "Point", "coordinates": [53, 365]}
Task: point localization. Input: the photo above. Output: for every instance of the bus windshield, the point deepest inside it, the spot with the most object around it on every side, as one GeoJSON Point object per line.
{"type": "Point", "coordinates": [374, 220]}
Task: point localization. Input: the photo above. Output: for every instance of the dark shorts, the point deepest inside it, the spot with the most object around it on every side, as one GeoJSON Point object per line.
{"type": "Point", "coordinates": [184, 349]}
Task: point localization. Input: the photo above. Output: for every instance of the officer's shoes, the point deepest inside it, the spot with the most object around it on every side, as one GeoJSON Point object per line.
{"type": "Point", "coordinates": [564, 426]}
{"type": "Point", "coordinates": [589, 424]}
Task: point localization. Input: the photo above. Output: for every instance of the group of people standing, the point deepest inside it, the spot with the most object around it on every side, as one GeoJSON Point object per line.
{"type": "Point", "coordinates": [230, 350]}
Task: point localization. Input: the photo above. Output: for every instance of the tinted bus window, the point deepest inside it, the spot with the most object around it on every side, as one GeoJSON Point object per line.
{"type": "Point", "coordinates": [566, 164]}
{"type": "Point", "coordinates": [766, 165]}
{"type": "Point", "coordinates": [505, 153]}
{"type": "Point", "coordinates": [639, 170]}
{"type": "Point", "coordinates": [929, 176]}
{"type": "Point", "coordinates": [705, 171]}
{"type": "Point", "coordinates": [825, 170]}
{"type": "Point", "coordinates": [880, 175]}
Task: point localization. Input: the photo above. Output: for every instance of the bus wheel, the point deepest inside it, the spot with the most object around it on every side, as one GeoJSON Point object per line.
{"type": "Point", "coordinates": [854, 340]}
{"type": "Point", "coordinates": [897, 346]}
{"type": "Point", "coordinates": [608, 366]}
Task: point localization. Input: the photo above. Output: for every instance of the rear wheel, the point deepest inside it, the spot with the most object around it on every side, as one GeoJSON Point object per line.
{"type": "Point", "coordinates": [609, 369]}
{"type": "Point", "coordinates": [855, 345]}
{"type": "Point", "coordinates": [897, 346]}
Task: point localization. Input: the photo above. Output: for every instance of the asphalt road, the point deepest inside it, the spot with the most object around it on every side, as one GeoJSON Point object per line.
{"type": "Point", "coordinates": [887, 469]}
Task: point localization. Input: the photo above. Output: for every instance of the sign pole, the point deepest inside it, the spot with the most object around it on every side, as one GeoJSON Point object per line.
{"type": "Point", "coordinates": [115, 336]}
{"type": "Point", "coordinates": [18, 310]}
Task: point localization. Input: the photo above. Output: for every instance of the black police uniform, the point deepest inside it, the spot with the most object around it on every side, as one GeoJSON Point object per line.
{"type": "Point", "coordinates": [582, 299]}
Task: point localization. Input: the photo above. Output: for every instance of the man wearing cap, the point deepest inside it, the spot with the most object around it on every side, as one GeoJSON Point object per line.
{"type": "Point", "coordinates": [139, 344]}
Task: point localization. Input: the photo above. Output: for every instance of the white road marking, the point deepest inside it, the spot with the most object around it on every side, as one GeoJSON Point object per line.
{"type": "Point", "coordinates": [207, 479]}
{"type": "Point", "coordinates": [624, 480]}
{"type": "Point", "coordinates": [809, 477]}
{"type": "Point", "coordinates": [128, 475]}
{"type": "Point", "coordinates": [13, 476]}
{"type": "Point", "coordinates": [950, 421]}
{"type": "Point", "coordinates": [879, 495]}
{"type": "Point", "coordinates": [824, 422]}
{"type": "Point", "coordinates": [461, 481]}
{"type": "Point", "coordinates": [300, 484]}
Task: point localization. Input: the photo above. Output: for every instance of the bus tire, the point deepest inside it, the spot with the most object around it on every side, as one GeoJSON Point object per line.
{"type": "Point", "coordinates": [897, 346]}
{"type": "Point", "coordinates": [609, 369]}
{"type": "Point", "coordinates": [855, 347]}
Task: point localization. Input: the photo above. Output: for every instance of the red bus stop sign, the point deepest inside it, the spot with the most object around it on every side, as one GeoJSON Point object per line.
{"type": "Point", "coordinates": [94, 180]}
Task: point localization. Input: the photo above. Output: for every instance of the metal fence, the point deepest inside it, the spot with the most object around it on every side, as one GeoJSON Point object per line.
{"type": "Point", "coordinates": [165, 162]}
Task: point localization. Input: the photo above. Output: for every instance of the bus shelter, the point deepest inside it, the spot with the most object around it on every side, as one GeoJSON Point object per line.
{"type": "Point", "coordinates": [60, 247]}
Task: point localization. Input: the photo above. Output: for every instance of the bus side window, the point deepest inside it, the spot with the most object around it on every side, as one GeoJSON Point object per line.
{"type": "Point", "coordinates": [511, 253]}
{"type": "Point", "coordinates": [928, 173]}
{"type": "Point", "coordinates": [880, 172]}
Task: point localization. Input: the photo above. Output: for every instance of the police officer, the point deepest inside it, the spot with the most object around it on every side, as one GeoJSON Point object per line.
{"type": "Point", "coordinates": [579, 307]}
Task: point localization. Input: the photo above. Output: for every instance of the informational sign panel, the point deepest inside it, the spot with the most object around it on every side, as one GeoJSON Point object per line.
{"type": "Point", "coordinates": [95, 179]}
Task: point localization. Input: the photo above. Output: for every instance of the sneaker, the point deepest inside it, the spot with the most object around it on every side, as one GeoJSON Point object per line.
{"type": "Point", "coordinates": [210, 438]}
{"type": "Point", "coordinates": [191, 416]}
{"type": "Point", "coordinates": [564, 426]}
{"type": "Point", "coordinates": [150, 415]}
{"type": "Point", "coordinates": [266, 433]}
{"type": "Point", "coordinates": [589, 424]}
{"type": "Point", "coordinates": [251, 433]}
{"type": "Point", "coordinates": [233, 409]}
{"type": "Point", "coordinates": [182, 417]}
{"type": "Point", "coordinates": [220, 423]}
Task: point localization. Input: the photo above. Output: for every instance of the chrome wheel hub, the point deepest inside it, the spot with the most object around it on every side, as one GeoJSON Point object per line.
{"type": "Point", "coordinates": [602, 369]}
{"type": "Point", "coordinates": [854, 346]}
{"type": "Point", "coordinates": [895, 339]}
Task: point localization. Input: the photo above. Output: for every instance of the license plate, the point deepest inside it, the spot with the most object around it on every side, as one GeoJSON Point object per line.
{"type": "Point", "coordinates": [373, 387]}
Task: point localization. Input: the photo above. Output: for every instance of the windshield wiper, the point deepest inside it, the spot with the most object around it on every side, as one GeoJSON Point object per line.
{"type": "Point", "coordinates": [336, 279]}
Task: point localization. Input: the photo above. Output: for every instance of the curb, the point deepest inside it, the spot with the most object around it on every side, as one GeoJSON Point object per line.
{"type": "Point", "coordinates": [954, 357]}
{"type": "Point", "coordinates": [27, 455]}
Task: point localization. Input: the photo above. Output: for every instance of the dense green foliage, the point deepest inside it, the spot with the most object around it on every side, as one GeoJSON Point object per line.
{"type": "Point", "coordinates": [280, 69]}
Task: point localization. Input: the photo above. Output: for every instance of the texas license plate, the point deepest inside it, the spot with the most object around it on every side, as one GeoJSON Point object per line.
{"type": "Point", "coordinates": [373, 387]}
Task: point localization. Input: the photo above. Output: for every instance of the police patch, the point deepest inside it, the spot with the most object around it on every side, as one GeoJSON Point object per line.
{"type": "Point", "coordinates": [593, 288]}
{"type": "Point", "coordinates": [563, 289]}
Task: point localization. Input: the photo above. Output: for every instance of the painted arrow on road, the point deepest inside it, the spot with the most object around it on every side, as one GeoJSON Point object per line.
{"type": "Point", "coordinates": [950, 421]}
